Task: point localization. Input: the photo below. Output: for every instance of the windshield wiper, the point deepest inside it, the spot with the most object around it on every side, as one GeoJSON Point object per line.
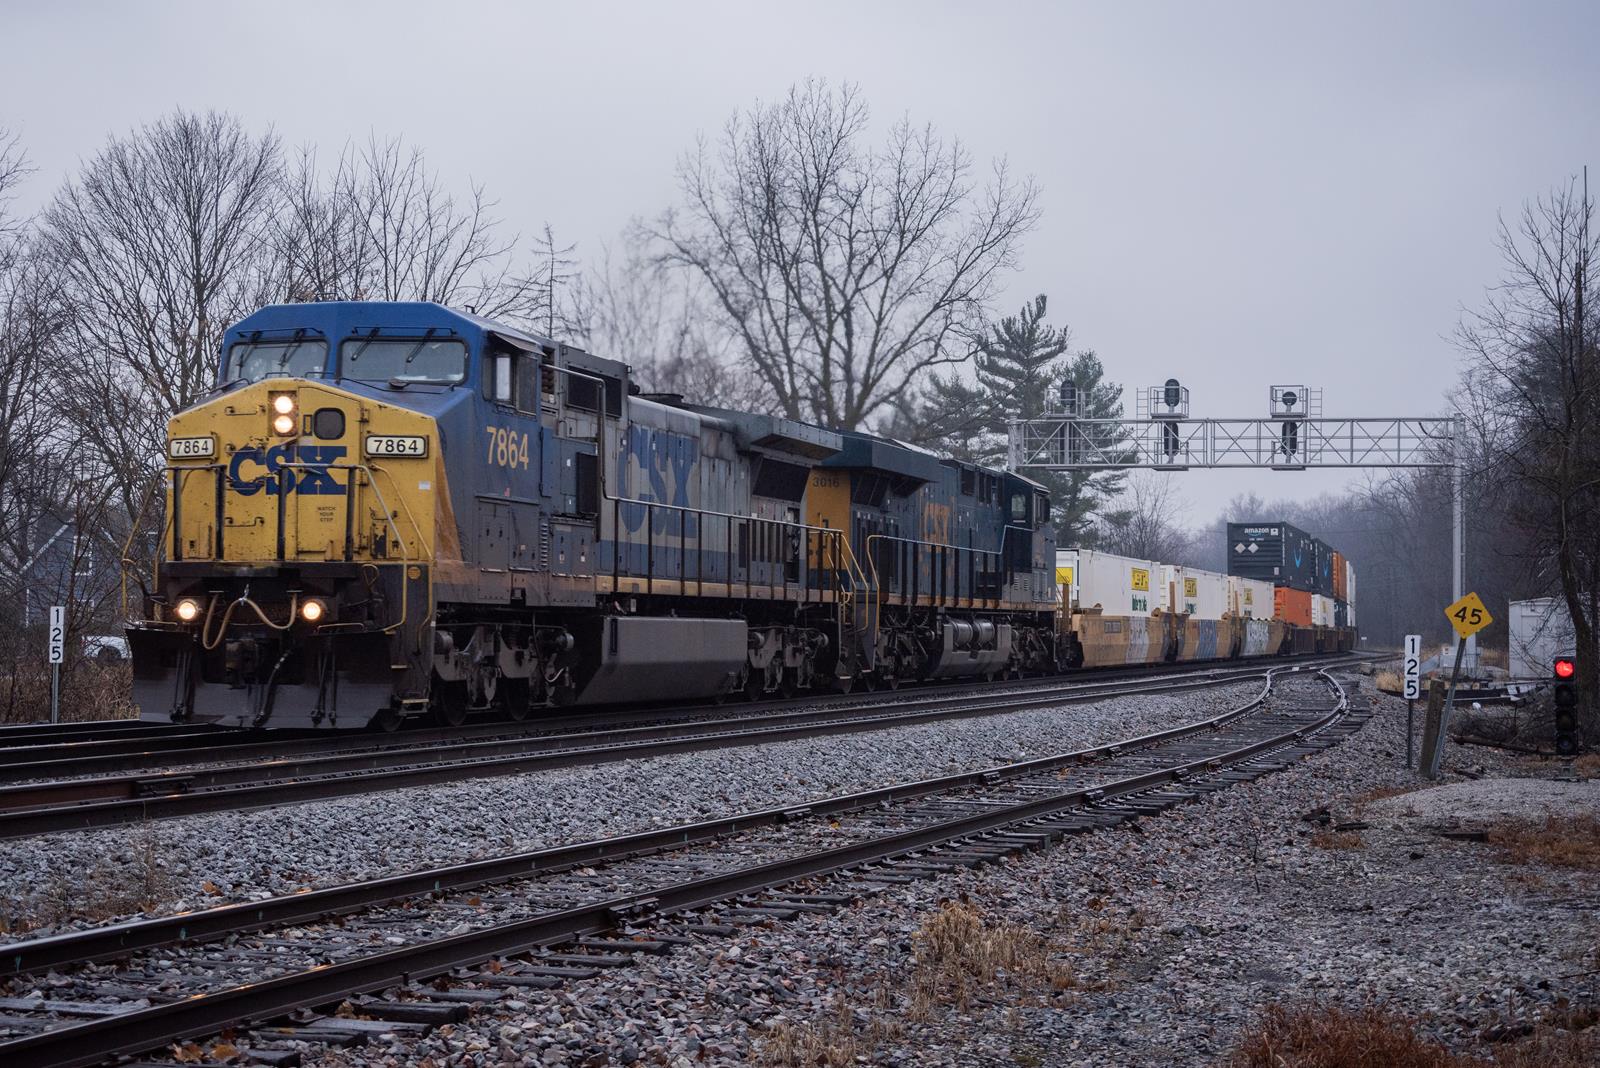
{"type": "Point", "coordinates": [416, 350]}
{"type": "Point", "coordinates": [290, 350]}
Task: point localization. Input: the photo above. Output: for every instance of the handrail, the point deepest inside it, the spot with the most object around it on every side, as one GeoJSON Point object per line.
{"type": "Point", "coordinates": [872, 559]}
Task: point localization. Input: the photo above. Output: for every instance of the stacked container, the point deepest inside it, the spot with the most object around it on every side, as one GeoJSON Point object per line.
{"type": "Point", "coordinates": [1190, 591]}
{"type": "Point", "coordinates": [1321, 610]}
{"type": "Point", "coordinates": [1249, 598]}
{"type": "Point", "coordinates": [1291, 605]}
{"type": "Point", "coordinates": [1117, 585]}
{"type": "Point", "coordinates": [1273, 552]}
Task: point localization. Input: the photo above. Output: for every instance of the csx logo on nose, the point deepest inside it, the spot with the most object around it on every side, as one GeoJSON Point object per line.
{"type": "Point", "coordinates": [244, 477]}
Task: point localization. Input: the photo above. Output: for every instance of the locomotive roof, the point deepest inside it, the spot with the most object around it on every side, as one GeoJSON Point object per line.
{"type": "Point", "coordinates": [339, 318]}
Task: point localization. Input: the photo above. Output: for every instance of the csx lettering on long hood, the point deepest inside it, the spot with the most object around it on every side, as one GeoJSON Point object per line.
{"type": "Point", "coordinates": [252, 469]}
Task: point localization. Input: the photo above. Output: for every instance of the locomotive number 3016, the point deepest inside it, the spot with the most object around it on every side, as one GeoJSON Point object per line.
{"type": "Point", "coordinates": [507, 448]}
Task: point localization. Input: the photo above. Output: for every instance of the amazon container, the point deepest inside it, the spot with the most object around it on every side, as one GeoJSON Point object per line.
{"type": "Point", "coordinates": [1195, 593]}
{"type": "Point", "coordinates": [1273, 552]}
{"type": "Point", "coordinates": [1291, 605]}
{"type": "Point", "coordinates": [1117, 585]}
{"type": "Point", "coordinates": [1249, 598]}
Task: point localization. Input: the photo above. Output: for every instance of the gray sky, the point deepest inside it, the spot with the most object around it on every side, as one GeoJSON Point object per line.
{"type": "Point", "coordinates": [1233, 194]}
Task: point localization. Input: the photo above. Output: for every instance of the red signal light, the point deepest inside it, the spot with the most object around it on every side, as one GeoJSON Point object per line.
{"type": "Point", "coordinates": [1565, 668]}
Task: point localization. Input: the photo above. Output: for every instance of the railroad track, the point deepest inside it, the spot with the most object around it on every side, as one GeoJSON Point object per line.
{"type": "Point", "coordinates": [484, 930]}
{"type": "Point", "coordinates": [40, 750]}
{"type": "Point", "coordinates": [82, 803]}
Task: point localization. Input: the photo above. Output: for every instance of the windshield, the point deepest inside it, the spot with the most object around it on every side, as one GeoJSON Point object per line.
{"type": "Point", "coordinates": [401, 360]}
{"type": "Point", "coordinates": [251, 361]}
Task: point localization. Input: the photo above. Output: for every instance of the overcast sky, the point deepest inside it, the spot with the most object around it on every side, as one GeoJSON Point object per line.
{"type": "Point", "coordinates": [1233, 194]}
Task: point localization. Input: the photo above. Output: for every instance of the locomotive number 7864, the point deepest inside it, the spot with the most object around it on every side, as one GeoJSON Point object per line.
{"type": "Point", "coordinates": [507, 448]}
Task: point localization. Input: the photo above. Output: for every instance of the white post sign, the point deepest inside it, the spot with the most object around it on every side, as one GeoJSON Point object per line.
{"type": "Point", "coordinates": [58, 653]}
{"type": "Point", "coordinates": [1413, 667]}
{"type": "Point", "coordinates": [58, 634]}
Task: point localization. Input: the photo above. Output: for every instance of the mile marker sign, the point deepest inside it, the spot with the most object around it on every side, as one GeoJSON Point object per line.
{"type": "Point", "coordinates": [1468, 616]}
{"type": "Point", "coordinates": [1413, 666]}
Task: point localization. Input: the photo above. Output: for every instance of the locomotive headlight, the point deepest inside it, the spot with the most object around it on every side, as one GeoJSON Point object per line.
{"type": "Point", "coordinates": [188, 609]}
{"type": "Point", "coordinates": [283, 425]}
{"type": "Point", "coordinates": [284, 422]}
{"type": "Point", "coordinates": [283, 404]}
{"type": "Point", "coordinates": [312, 611]}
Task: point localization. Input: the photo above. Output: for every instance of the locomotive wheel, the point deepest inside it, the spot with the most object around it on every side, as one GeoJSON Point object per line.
{"type": "Point", "coordinates": [754, 685]}
{"type": "Point", "coordinates": [869, 681]}
{"type": "Point", "coordinates": [892, 680]}
{"type": "Point", "coordinates": [515, 706]}
{"type": "Point", "coordinates": [842, 686]}
{"type": "Point", "coordinates": [388, 719]}
{"type": "Point", "coordinates": [450, 704]}
{"type": "Point", "coordinates": [789, 686]}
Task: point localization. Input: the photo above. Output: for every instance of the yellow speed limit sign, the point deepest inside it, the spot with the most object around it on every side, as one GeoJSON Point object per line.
{"type": "Point", "coordinates": [1468, 616]}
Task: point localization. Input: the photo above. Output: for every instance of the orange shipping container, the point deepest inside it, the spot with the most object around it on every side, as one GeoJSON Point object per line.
{"type": "Point", "coordinates": [1292, 606]}
{"type": "Point", "coordinates": [1339, 593]}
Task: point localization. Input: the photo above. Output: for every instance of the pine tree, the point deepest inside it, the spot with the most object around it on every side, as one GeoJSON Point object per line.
{"type": "Point", "coordinates": [1020, 363]}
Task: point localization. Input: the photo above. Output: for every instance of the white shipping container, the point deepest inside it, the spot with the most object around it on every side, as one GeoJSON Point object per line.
{"type": "Point", "coordinates": [1321, 610]}
{"type": "Point", "coordinates": [1120, 585]}
{"type": "Point", "coordinates": [1249, 598]}
{"type": "Point", "coordinates": [1350, 588]}
{"type": "Point", "coordinates": [1540, 631]}
{"type": "Point", "coordinates": [1195, 593]}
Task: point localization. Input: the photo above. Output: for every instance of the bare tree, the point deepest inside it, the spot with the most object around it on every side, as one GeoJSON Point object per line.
{"type": "Point", "coordinates": [1533, 396]}
{"type": "Point", "coordinates": [632, 309]}
{"type": "Point", "coordinates": [1149, 522]}
{"type": "Point", "coordinates": [381, 226]}
{"type": "Point", "coordinates": [158, 245]}
{"type": "Point", "coordinates": [843, 271]}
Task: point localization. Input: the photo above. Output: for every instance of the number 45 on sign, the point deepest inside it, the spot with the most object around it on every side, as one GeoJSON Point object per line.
{"type": "Point", "coordinates": [1468, 616]}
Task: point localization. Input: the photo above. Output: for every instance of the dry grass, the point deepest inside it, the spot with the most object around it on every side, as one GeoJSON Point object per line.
{"type": "Point", "coordinates": [957, 956]}
{"type": "Point", "coordinates": [1336, 840]}
{"type": "Point", "coordinates": [1560, 842]}
{"type": "Point", "coordinates": [1337, 1038]}
{"type": "Point", "coordinates": [108, 891]}
{"type": "Point", "coordinates": [1587, 766]}
{"type": "Point", "coordinates": [1390, 682]}
{"type": "Point", "coordinates": [90, 690]}
{"type": "Point", "coordinates": [829, 1042]}
{"type": "Point", "coordinates": [1320, 1037]}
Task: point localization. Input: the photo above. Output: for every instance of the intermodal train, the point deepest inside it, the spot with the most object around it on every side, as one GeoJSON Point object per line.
{"type": "Point", "coordinates": [391, 510]}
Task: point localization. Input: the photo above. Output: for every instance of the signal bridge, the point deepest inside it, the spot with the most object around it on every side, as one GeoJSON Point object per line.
{"type": "Point", "coordinates": [1293, 436]}
{"type": "Point", "coordinates": [1165, 437]}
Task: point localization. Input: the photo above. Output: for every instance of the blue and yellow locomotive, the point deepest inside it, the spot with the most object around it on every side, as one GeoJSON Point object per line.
{"type": "Point", "coordinates": [391, 510]}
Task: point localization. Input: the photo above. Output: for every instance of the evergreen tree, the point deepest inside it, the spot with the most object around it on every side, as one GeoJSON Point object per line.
{"type": "Point", "coordinates": [1020, 363]}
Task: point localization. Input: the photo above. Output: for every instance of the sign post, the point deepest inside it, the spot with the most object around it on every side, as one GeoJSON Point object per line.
{"type": "Point", "coordinates": [58, 653]}
{"type": "Point", "coordinates": [1468, 616]}
{"type": "Point", "coordinates": [1413, 690]}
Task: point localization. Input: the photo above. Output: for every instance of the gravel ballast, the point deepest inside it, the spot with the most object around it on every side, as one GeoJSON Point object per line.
{"type": "Point", "coordinates": [1162, 940]}
{"type": "Point", "coordinates": [68, 880]}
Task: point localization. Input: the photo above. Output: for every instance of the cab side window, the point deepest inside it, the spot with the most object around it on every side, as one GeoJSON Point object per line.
{"type": "Point", "coordinates": [527, 384]}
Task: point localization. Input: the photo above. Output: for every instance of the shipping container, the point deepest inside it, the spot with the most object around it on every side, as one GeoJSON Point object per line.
{"type": "Point", "coordinates": [1341, 612]}
{"type": "Point", "coordinates": [1192, 592]}
{"type": "Point", "coordinates": [1118, 585]}
{"type": "Point", "coordinates": [1249, 598]}
{"type": "Point", "coordinates": [1323, 582]}
{"type": "Point", "coordinates": [1321, 610]}
{"type": "Point", "coordinates": [1339, 591]}
{"type": "Point", "coordinates": [1292, 605]}
{"type": "Point", "coordinates": [1273, 552]}
{"type": "Point", "coordinates": [1349, 583]}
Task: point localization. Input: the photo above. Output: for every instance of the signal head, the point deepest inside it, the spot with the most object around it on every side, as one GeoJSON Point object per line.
{"type": "Point", "coordinates": [1565, 668]}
